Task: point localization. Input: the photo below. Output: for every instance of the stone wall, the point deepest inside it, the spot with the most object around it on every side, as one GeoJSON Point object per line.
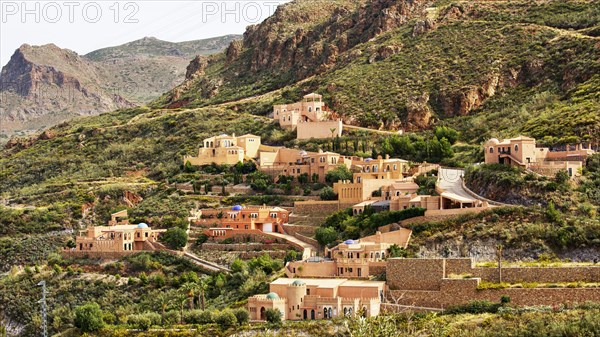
{"type": "Point", "coordinates": [415, 274]}
{"type": "Point", "coordinates": [306, 239]}
{"type": "Point", "coordinates": [302, 229]}
{"type": "Point", "coordinates": [377, 268]}
{"type": "Point", "coordinates": [425, 283]}
{"type": "Point", "coordinates": [246, 247]}
{"type": "Point", "coordinates": [401, 272]}
{"type": "Point", "coordinates": [540, 275]}
{"type": "Point", "coordinates": [97, 255]}
{"type": "Point", "coordinates": [417, 298]}
{"type": "Point", "coordinates": [319, 207]}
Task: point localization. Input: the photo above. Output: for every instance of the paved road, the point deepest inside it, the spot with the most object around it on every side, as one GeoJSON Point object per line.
{"type": "Point", "coordinates": [450, 182]}
{"type": "Point", "coordinates": [308, 248]}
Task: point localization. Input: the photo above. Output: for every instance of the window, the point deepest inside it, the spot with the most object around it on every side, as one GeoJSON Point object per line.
{"type": "Point", "coordinates": [516, 148]}
{"type": "Point", "coordinates": [254, 215]}
{"type": "Point", "coordinates": [273, 215]}
{"type": "Point", "coordinates": [491, 150]}
{"type": "Point", "coordinates": [309, 109]}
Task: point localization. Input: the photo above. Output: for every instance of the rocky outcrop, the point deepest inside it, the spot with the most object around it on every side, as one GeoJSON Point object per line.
{"type": "Point", "coordinates": [419, 113]}
{"type": "Point", "coordinates": [44, 85]}
{"type": "Point", "coordinates": [233, 51]}
{"type": "Point", "coordinates": [197, 67]}
{"type": "Point", "coordinates": [305, 50]}
{"type": "Point", "coordinates": [423, 26]}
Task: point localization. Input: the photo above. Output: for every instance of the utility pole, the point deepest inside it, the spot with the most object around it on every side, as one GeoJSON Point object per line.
{"type": "Point", "coordinates": [44, 309]}
{"type": "Point", "coordinates": [499, 255]}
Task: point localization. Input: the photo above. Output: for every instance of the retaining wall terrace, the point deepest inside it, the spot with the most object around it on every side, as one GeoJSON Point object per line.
{"type": "Point", "coordinates": [98, 255]}
{"type": "Point", "coordinates": [240, 247]}
{"type": "Point", "coordinates": [319, 207]}
{"type": "Point", "coordinates": [420, 274]}
{"type": "Point", "coordinates": [425, 283]}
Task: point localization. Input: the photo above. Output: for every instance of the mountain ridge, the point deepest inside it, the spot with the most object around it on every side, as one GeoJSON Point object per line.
{"type": "Point", "coordinates": [44, 85]}
{"type": "Point", "coordinates": [418, 63]}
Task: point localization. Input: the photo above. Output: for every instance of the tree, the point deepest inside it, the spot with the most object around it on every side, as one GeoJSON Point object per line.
{"type": "Point", "coordinates": [239, 266]}
{"type": "Point", "coordinates": [291, 255]}
{"type": "Point", "coordinates": [445, 132]}
{"type": "Point", "coordinates": [341, 172]}
{"type": "Point", "coordinates": [273, 316]}
{"type": "Point", "coordinates": [175, 238]}
{"type": "Point", "coordinates": [88, 317]}
{"type": "Point", "coordinates": [226, 319]}
{"type": "Point", "coordinates": [163, 300]}
{"type": "Point", "coordinates": [242, 316]}
{"type": "Point", "coordinates": [561, 177]}
{"type": "Point", "coordinates": [325, 235]}
{"type": "Point", "coordinates": [327, 194]}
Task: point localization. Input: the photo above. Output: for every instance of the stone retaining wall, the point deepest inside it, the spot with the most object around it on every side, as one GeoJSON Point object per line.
{"type": "Point", "coordinates": [245, 247]}
{"type": "Point", "coordinates": [425, 283]}
{"type": "Point", "coordinates": [319, 207]}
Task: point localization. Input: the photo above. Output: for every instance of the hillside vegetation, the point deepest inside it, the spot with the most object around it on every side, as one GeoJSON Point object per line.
{"type": "Point", "coordinates": [473, 65]}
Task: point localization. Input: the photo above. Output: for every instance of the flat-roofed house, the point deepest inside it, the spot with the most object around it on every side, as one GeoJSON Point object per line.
{"type": "Point", "coordinates": [315, 299]}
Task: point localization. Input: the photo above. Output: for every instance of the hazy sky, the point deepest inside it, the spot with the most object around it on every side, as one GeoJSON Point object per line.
{"type": "Point", "coordinates": [84, 26]}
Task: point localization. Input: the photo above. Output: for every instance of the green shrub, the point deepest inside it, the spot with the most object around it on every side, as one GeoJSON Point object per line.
{"type": "Point", "coordinates": [474, 307]}
{"type": "Point", "coordinates": [88, 317]}
{"type": "Point", "coordinates": [226, 319]}
{"type": "Point", "coordinates": [242, 315]}
{"type": "Point", "coordinates": [175, 238]}
{"type": "Point", "coordinates": [273, 316]}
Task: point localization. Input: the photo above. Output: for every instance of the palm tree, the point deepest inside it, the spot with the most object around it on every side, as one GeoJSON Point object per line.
{"type": "Point", "coordinates": [202, 287]}
{"type": "Point", "coordinates": [163, 300]}
{"type": "Point", "coordinates": [181, 298]}
{"type": "Point", "coordinates": [190, 289]}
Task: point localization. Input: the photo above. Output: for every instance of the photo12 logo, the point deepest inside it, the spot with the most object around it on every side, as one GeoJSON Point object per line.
{"type": "Point", "coordinates": [68, 12]}
{"type": "Point", "coordinates": [251, 12]}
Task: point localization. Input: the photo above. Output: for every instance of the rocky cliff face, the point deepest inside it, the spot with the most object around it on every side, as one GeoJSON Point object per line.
{"type": "Point", "coordinates": [308, 50]}
{"type": "Point", "coordinates": [44, 85]}
{"type": "Point", "coordinates": [50, 81]}
{"type": "Point", "coordinates": [402, 63]}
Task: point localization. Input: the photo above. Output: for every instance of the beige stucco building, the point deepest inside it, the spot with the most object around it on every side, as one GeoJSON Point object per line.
{"type": "Point", "coordinates": [371, 175]}
{"type": "Point", "coordinates": [310, 109]}
{"type": "Point", "coordinates": [227, 222]}
{"type": "Point", "coordinates": [311, 299]}
{"type": "Point", "coordinates": [294, 162]}
{"type": "Point", "coordinates": [352, 258]}
{"type": "Point", "coordinates": [225, 149]}
{"type": "Point", "coordinates": [309, 117]}
{"type": "Point", "coordinates": [522, 151]}
{"type": "Point", "coordinates": [118, 237]}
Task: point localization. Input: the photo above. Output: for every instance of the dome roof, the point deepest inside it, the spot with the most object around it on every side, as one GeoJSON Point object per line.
{"type": "Point", "coordinates": [272, 296]}
{"type": "Point", "coordinates": [494, 140]}
{"type": "Point", "coordinates": [298, 283]}
{"type": "Point", "coordinates": [236, 208]}
{"type": "Point", "coordinates": [368, 159]}
{"type": "Point", "coordinates": [349, 242]}
{"type": "Point", "coordinates": [142, 225]}
{"type": "Point", "coordinates": [303, 153]}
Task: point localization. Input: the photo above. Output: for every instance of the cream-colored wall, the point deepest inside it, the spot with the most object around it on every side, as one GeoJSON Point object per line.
{"type": "Point", "coordinates": [250, 145]}
{"type": "Point", "coordinates": [321, 129]}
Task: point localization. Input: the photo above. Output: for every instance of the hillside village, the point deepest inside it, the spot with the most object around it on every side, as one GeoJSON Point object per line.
{"type": "Point", "coordinates": [362, 276]}
{"type": "Point", "coordinates": [343, 168]}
